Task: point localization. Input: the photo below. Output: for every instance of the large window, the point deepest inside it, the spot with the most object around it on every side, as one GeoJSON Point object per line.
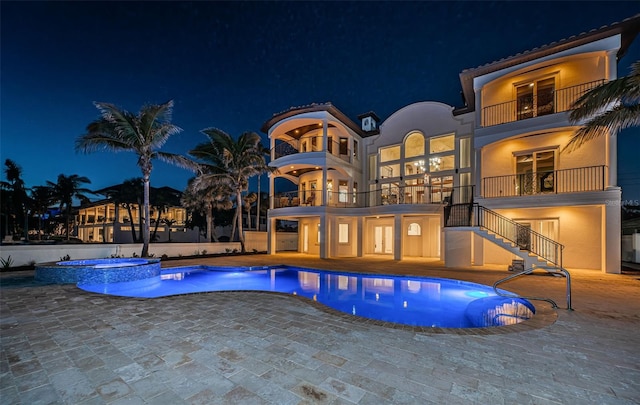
{"type": "Point", "coordinates": [415, 167]}
{"type": "Point", "coordinates": [387, 171]}
{"type": "Point", "coordinates": [535, 98]}
{"type": "Point", "coordinates": [390, 153]}
{"type": "Point", "coordinates": [442, 144]}
{"type": "Point", "coordinates": [342, 191]}
{"type": "Point", "coordinates": [372, 167]}
{"type": "Point", "coordinates": [441, 163]}
{"type": "Point", "coordinates": [414, 145]}
{"type": "Point", "coordinates": [535, 172]}
{"type": "Point", "coordinates": [344, 146]}
{"type": "Point", "coordinates": [465, 153]}
{"type": "Point", "coordinates": [343, 233]}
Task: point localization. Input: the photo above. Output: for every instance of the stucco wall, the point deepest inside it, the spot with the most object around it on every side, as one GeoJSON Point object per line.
{"type": "Point", "coordinates": [22, 255]}
{"type": "Point", "coordinates": [498, 159]}
{"type": "Point", "coordinates": [579, 230]}
{"type": "Point", "coordinates": [568, 72]}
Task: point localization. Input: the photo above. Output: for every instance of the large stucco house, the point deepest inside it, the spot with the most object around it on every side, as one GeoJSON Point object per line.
{"type": "Point", "coordinates": [485, 183]}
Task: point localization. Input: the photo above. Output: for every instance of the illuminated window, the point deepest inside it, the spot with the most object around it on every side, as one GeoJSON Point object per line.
{"type": "Point", "coordinates": [440, 163]}
{"type": "Point", "coordinates": [535, 99]}
{"type": "Point", "coordinates": [390, 153]}
{"type": "Point", "coordinates": [415, 167]}
{"type": "Point", "coordinates": [343, 233]}
{"type": "Point", "coordinates": [389, 171]}
{"type": "Point", "coordinates": [372, 167]}
{"type": "Point", "coordinates": [414, 145]}
{"type": "Point", "coordinates": [344, 146]}
{"type": "Point", "coordinates": [414, 229]}
{"type": "Point", "coordinates": [355, 149]}
{"type": "Point", "coordinates": [343, 189]}
{"type": "Point", "coordinates": [465, 153]}
{"type": "Point", "coordinates": [442, 144]}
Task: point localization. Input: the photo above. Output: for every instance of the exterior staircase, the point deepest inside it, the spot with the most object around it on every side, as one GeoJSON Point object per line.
{"type": "Point", "coordinates": [537, 251]}
{"type": "Point", "coordinates": [531, 260]}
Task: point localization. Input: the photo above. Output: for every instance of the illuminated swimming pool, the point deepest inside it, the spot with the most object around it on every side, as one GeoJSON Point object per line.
{"type": "Point", "coordinates": [415, 301]}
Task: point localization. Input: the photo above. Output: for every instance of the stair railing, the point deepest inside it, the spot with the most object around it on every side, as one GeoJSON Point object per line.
{"type": "Point", "coordinates": [524, 237]}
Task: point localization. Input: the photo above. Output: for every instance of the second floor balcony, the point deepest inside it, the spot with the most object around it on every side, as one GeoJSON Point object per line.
{"type": "Point", "coordinates": [388, 196]}
{"type": "Point", "coordinates": [338, 148]}
{"type": "Point", "coordinates": [530, 105]}
{"type": "Point", "coordinates": [576, 180]}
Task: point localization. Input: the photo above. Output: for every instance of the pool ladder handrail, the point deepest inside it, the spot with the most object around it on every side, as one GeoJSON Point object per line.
{"type": "Point", "coordinates": [530, 270]}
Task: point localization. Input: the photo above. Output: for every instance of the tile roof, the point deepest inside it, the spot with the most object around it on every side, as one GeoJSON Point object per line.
{"type": "Point", "coordinates": [628, 28]}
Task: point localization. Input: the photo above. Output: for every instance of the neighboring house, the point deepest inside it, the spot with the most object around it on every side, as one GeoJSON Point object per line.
{"type": "Point", "coordinates": [436, 181]}
{"type": "Point", "coordinates": [108, 222]}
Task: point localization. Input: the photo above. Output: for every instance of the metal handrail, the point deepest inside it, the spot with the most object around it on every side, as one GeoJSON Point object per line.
{"type": "Point", "coordinates": [558, 101]}
{"type": "Point", "coordinates": [313, 144]}
{"type": "Point", "coordinates": [397, 194]}
{"type": "Point", "coordinates": [565, 272]}
{"type": "Point", "coordinates": [524, 237]}
{"type": "Point", "coordinates": [580, 179]}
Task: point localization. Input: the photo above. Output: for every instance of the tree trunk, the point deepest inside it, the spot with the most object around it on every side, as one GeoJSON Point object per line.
{"type": "Point", "coordinates": [155, 227]}
{"type": "Point", "coordinates": [146, 230]}
{"type": "Point", "coordinates": [134, 236]}
{"type": "Point", "coordinates": [239, 215]}
{"type": "Point", "coordinates": [209, 219]}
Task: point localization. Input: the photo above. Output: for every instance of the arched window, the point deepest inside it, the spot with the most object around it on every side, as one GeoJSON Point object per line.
{"type": "Point", "coordinates": [414, 145]}
{"type": "Point", "coordinates": [414, 229]}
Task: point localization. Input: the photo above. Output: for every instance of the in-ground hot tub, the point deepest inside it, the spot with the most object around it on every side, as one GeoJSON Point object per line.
{"type": "Point", "coordinates": [91, 271]}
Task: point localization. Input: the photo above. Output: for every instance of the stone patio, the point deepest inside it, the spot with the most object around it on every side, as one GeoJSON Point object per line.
{"type": "Point", "coordinates": [65, 346]}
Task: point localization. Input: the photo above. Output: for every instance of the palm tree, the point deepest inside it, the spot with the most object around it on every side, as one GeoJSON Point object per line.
{"type": "Point", "coordinates": [65, 190]}
{"type": "Point", "coordinates": [609, 109]}
{"type": "Point", "coordinates": [248, 200]}
{"type": "Point", "coordinates": [161, 199]}
{"type": "Point", "coordinates": [231, 162]}
{"type": "Point", "coordinates": [16, 197]}
{"type": "Point", "coordinates": [41, 199]}
{"type": "Point", "coordinates": [143, 133]}
{"type": "Point", "coordinates": [210, 194]}
{"type": "Point", "coordinates": [129, 195]}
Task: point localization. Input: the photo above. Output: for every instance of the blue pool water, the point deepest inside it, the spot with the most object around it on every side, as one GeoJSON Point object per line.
{"type": "Point", "coordinates": [415, 301]}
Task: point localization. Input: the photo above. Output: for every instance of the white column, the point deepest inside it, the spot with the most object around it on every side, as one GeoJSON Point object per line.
{"type": "Point", "coordinates": [477, 173]}
{"type": "Point", "coordinates": [359, 236]}
{"type": "Point", "coordinates": [271, 190]}
{"type": "Point", "coordinates": [271, 236]}
{"type": "Point", "coordinates": [324, 237]}
{"type": "Point", "coordinates": [611, 238]}
{"type": "Point", "coordinates": [397, 237]}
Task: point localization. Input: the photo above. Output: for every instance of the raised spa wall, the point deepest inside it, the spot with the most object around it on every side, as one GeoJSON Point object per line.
{"type": "Point", "coordinates": [97, 271]}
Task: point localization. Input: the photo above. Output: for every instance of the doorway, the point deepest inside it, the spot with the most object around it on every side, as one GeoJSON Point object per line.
{"type": "Point", "coordinates": [383, 239]}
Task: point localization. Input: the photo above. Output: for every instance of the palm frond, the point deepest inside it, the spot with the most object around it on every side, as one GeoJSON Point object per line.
{"type": "Point", "coordinates": [611, 122]}
{"type": "Point", "coordinates": [178, 160]}
{"type": "Point", "coordinates": [600, 98]}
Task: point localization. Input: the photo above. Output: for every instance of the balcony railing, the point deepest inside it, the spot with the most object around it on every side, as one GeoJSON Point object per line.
{"type": "Point", "coordinates": [546, 182]}
{"type": "Point", "coordinates": [550, 103]}
{"type": "Point", "coordinates": [389, 196]}
{"type": "Point", "coordinates": [312, 144]}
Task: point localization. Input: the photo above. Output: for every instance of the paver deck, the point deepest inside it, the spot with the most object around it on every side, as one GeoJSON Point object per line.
{"type": "Point", "coordinates": [62, 345]}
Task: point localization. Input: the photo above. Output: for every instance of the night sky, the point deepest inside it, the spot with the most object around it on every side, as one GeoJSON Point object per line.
{"type": "Point", "coordinates": [234, 65]}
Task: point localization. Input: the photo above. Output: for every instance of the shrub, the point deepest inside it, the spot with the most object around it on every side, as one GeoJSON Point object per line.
{"type": "Point", "coordinates": [6, 263]}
